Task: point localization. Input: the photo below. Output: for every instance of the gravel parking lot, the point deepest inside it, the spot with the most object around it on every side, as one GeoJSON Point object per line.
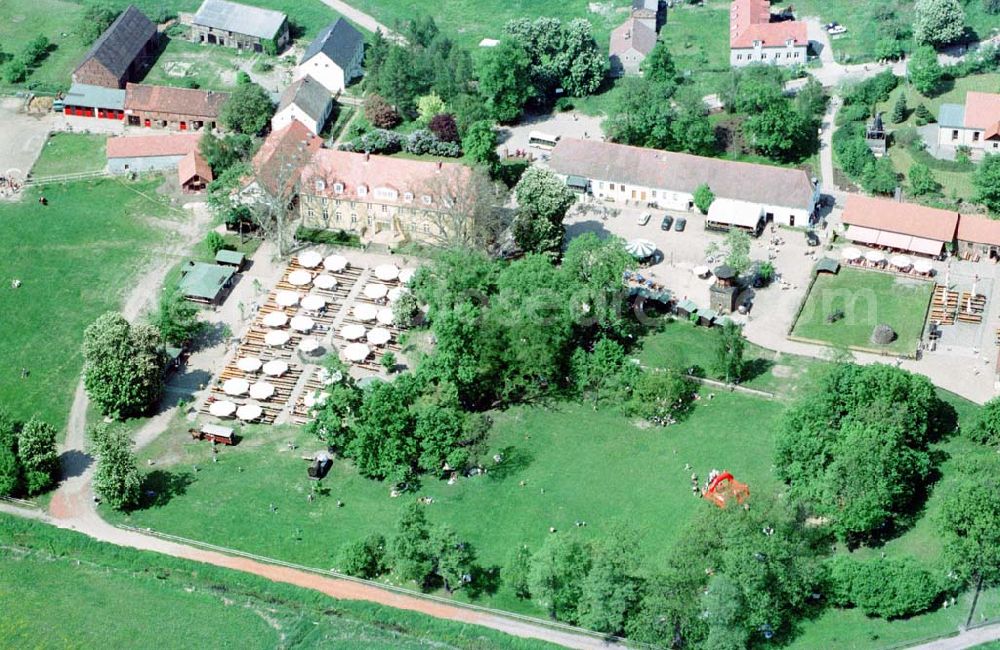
{"type": "Point", "coordinates": [21, 136]}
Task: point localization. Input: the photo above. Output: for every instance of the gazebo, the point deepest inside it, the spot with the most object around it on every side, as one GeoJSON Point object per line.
{"type": "Point", "coordinates": [204, 283]}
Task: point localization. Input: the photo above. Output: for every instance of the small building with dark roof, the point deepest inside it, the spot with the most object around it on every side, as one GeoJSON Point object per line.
{"type": "Point", "coordinates": [334, 57]}
{"type": "Point", "coordinates": [230, 24]}
{"type": "Point", "coordinates": [305, 100]}
{"type": "Point", "coordinates": [120, 53]}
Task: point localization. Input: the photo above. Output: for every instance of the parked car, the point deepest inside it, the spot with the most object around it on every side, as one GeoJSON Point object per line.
{"type": "Point", "coordinates": [839, 29]}
{"type": "Point", "coordinates": [644, 218]}
{"type": "Point", "coordinates": [667, 222]}
{"type": "Point", "coordinates": [681, 224]}
{"type": "Point", "coordinates": [812, 238]}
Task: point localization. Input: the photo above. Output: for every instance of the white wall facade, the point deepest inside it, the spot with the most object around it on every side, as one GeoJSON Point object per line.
{"type": "Point", "coordinates": [790, 54]}
{"type": "Point", "coordinates": [328, 73]}
{"type": "Point", "coordinates": [143, 164]}
{"type": "Point", "coordinates": [291, 112]}
{"type": "Point", "coordinates": [956, 136]}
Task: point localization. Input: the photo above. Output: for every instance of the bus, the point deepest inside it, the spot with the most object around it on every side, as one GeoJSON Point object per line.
{"type": "Point", "coordinates": [542, 140]}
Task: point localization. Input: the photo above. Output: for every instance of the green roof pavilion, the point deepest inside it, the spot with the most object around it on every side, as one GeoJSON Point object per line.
{"type": "Point", "coordinates": [203, 282]}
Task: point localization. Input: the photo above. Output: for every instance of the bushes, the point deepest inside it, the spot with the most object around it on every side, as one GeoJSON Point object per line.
{"type": "Point", "coordinates": [29, 463]}
{"type": "Point", "coordinates": [420, 142]}
{"type": "Point", "coordinates": [364, 558]}
{"type": "Point", "coordinates": [423, 142]}
{"type": "Point", "coordinates": [321, 236]}
{"type": "Point", "coordinates": [887, 588]}
{"type": "Point", "coordinates": [378, 141]}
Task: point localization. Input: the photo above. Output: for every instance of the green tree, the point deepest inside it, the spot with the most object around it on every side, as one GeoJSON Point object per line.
{"type": "Point", "coordinates": [880, 177]}
{"type": "Point", "coordinates": [991, 7]}
{"type": "Point", "coordinates": [428, 106]}
{"type": "Point", "coordinates": [97, 17]}
{"type": "Point", "coordinates": [969, 520]}
{"type": "Point", "coordinates": [116, 478]}
{"type": "Point", "coordinates": [409, 548]}
{"type": "Point", "coordinates": [177, 319]}
{"type": "Point", "coordinates": [15, 71]}
{"type": "Point", "coordinates": [335, 416]}
{"type": "Point", "coordinates": [223, 153]}
{"type": "Point", "coordinates": [811, 100]}
{"type": "Point", "coordinates": [542, 200]}
{"type": "Point", "coordinates": [364, 558]}
{"type": "Point", "coordinates": [986, 430]}
{"type": "Point", "coordinates": [729, 353]}
{"type": "Point", "coordinates": [737, 250]}
{"type": "Point", "coordinates": [661, 393]}
{"type": "Point", "coordinates": [389, 361]}
{"type": "Point", "coordinates": [384, 446]}
{"type": "Point", "coordinates": [724, 605]}
{"type": "Point", "coordinates": [516, 570]}
{"type": "Point", "coordinates": [480, 144]}
{"type": "Point", "coordinates": [658, 67]}
{"type": "Point", "coordinates": [986, 182]}
{"type": "Point", "coordinates": [703, 197]}
{"type": "Point", "coordinates": [938, 22]}
{"type": "Point", "coordinates": [248, 110]}
{"type": "Point", "coordinates": [37, 455]}
{"type": "Point", "coordinates": [504, 80]}
{"type": "Point", "coordinates": [640, 115]}
{"type": "Point", "coordinates": [691, 130]}
{"type": "Point", "coordinates": [884, 587]}
{"type": "Point", "coordinates": [10, 469]}
{"type": "Point", "coordinates": [452, 558]}
{"type": "Point", "coordinates": [122, 366]}
{"type": "Point", "coordinates": [924, 70]}
{"type": "Point", "coordinates": [215, 242]}
{"type": "Point", "coordinates": [899, 109]}
{"type": "Point", "coordinates": [612, 589]}
{"type": "Point", "coordinates": [558, 572]}
{"type": "Point", "coordinates": [778, 132]}
{"type": "Point", "coordinates": [923, 115]}
{"type": "Point", "coordinates": [398, 80]}
{"type": "Point", "coordinates": [853, 154]}
{"type": "Point", "coordinates": [922, 180]}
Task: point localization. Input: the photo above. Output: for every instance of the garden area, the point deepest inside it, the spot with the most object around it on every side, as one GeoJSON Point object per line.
{"type": "Point", "coordinates": [190, 65]}
{"type": "Point", "coordinates": [843, 310]}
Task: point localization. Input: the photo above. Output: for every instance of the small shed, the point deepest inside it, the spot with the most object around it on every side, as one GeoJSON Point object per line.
{"type": "Point", "coordinates": [204, 283]}
{"type": "Point", "coordinates": [707, 317]}
{"type": "Point", "coordinates": [214, 433]}
{"type": "Point", "coordinates": [685, 308]}
{"type": "Point", "coordinates": [827, 265]}
{"type": "Point", "coordinates": [175, 356]}
{"type": "Point", "coordinates": [226, 257]}
{"type": "Point", "coordinates": [578, 184]}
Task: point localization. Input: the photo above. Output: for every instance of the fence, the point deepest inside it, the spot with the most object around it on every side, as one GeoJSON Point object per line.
{"type": "Point", "coordinates": [65, 178]}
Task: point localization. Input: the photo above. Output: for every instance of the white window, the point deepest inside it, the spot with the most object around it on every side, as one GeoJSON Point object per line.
{"type": "Point", "coordinates": [338, 188]}
{"type": "Point", "coordinates": [408, 196]}
{"type": "Point", "coordinates": [362, 190]}
{"type": "Point", "coordinates": [426, 198]}
{"type": "Point", "coordinates": [320, 185]}
{"type": "Point", "coordinates": [386, 193]}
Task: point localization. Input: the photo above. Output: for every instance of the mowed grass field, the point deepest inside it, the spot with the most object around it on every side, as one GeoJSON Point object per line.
{"type": "Point", "coordinates": [76, 258]}
{"type": "Point", "coordinates": [67, 153]}
{"type": "Point", "coordinates": [867, 299]}
{"type": "Point", "coordinates": [58, 21]}
{"type": "Point", "coordinates": [60, 589]}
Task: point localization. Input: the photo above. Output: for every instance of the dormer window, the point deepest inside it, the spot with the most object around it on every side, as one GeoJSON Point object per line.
{"type": "Point", "coordinates": [362, 190]}
{"type": "Point", "coordinates": [338, 188]}
{"type": "Point", "coordinates": [426, 198]}
{"type": "Point", "coordinates": [320, 185]}
{"type": "Point", "coordinates": [386, 193]}
{"type": "Point", "coordinates": [756, 43]}
{"type": "Point", "coordinates": [790, 42]}
{"type": "Point", "coordinates": [408, 197]}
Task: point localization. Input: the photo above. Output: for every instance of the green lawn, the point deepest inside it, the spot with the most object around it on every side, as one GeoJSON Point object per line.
{"type": "Point", "coordinates": [58, 21]}
{"type": "Point", "coordinates": [952, 92]}
{"type": "Point", "coordinates": [75, 257]}
{"type": "Point", "coordinates": [866, 299]}
{"type": "Point", "coordinates": [182, 62]}
{"type": "Point", "coordinates": [66, 153]}
{"type": "Point", "coordinates": [59, 589]}
{"type": "Point", "coordinates": [698, 37]}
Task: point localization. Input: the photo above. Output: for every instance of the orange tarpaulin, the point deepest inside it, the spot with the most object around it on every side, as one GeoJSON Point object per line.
{"type": "Point", "coordinates": [725, 488]}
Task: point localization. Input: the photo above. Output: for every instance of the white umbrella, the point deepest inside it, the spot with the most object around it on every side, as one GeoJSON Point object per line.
{"type": "Point", "coordinates": [640, 248]}
{"type": "Point", "coordinates": [875, 256]}
{"type": "Point", "coordinates": [276, 319]}
{"type": "Point", "coordinates": [310, 259]}
{"type": "Point", "coordinates": [249, 412]}
{"type": "Point", "coordinates": [313, 302]}
{"type": "Point", "coordinates": [235, 386]}
{"type": "Point", "coordinates": [325, 281]}
{"type": "Point", "coordinates": [275, 368]}
{"type": "Point", "coordinates": [249, 364]}
{"type": "Point", "coordinates": [315, 398]}
{"type": "Point", "coordinates": [378, 336]}
{"type": "Point", "coordinates": [356, 352]}
{"type": "Point", "coordinates": [385, 316]}
{"type": "Point", "coordinates": [303, 323]}
{"type": "Point", "coordinates": [901, 261]}
{"type": "Point", "coordinates": [365, 312]}
{"type": "Point", "coordinates": [222, 409]}
{"type": "Point", "coordinates": [308, 345]}
{"type": "Point", "coordinates": [406, 275]}
{"type": "Point", "coordinates": [375, 291]}
{"type": "Point", "coordinates": [395, 293]}
{"type": "Point", "coordinates": [276, 338]}
{"type": "Point", "coordinates": [286, 298]}
{"type": "Point", "coordinates": [262, 390]}
{"type": "Point", "coordinates": [701, 271]}
{"type": "Point", "coordinates": [300, 278]}
{"type": "Point", "coordinates": [923, 266]}
{"type": "Point", "coordinates": [386, 272]}
{"type": "Point", "coordinates": [352, 332]}
{"type": "Point", "coordinates": [850, 253]}
{"type": "Point", "coordinates": [335, 263]}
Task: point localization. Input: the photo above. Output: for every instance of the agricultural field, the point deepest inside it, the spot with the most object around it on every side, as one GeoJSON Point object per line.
{"type": "Point", "coordinates": [863, 300]}
{"type": "Point", "coordinates": [75, 258]}
{"type": "Point", "coordinates": [67, 153]}
{"type": "Point", "coordinates": [91, 594]}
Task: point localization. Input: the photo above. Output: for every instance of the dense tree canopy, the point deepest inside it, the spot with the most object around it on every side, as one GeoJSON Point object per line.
{"type": "Point", "coordinates": [248, 110]}
{"type": "Point", "coordinates": [542, 200]}
{"type": "Point", "coordinates": [924, 70]}
{"type": "Point", "coordinates": [938, 22]}
{"type": "Point", "coordinates": [986, 180]}
{"type": "Point", "coordinates": [122, 365]}
{"type": "Point", "coordinates": [885, 587]}
{"type": "Point", "coordinates": [562, 55]}
{"type": "Point", "coordinates": [969, 520]}
{"type": "Point", "coordinates": [505, 80]}
{"type": "Point", "coordinates": [37, 455]}
{"type": "Point", "coordinates": [116, 478]}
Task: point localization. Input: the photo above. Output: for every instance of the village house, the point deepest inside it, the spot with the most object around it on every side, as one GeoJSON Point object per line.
{"type": "Point", "coordinates": [667, 180]}
{"type": "Point", "coordinates": [379, 197]}
{"type": "Point", "coordinates": [305, 100]}
{"type": "Point", "coordinates": [633, 40]}
{"type": "Point", "coordinates": [978, 236]}
{"type": "Point", "coordinates": [193, 173]}
{"type": "Point", "coordinates": [184, 109]}
{"type": "Point", "coordinates": [84, 100]}
{"type": "Point", "coordinates": [279, 161]}
{"type": "Point", "coordinates": [906, 227]}
{"type": "Point", "coordinates": [756, 37]}
{"type": "Point", "coordinates": [975, 124]}
{"type": "Point", "coordinates": [334, 57]}
{"type": "Point", "coordinates": [121, 53]}
{"type": "Point", "coordinates": [230, 24]}
{"type": "Point", "coordinates": [144, 153]}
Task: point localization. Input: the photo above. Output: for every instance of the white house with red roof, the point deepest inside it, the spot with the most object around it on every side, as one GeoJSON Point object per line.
{"type": "Point", "coordinates": [975, 124]}
{"type": "Point", "coordinates": [756, 37]}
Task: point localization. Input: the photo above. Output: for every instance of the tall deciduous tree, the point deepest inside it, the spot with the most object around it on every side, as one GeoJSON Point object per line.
{"type": "Point", "coordinates": [516, 571]}
{"type": "Point", "coordinates": [409, 548]}
{"type": "Point", "coordinates": [558, 571]}
{"type": "Point", "coordinates": [922, 180]}
{"type": "Point", "coordinates": [778, 131]}
{"type": "Point", "coordinates": [122, 365]}
{"type": "Point", "coordinates": [452, 558]}
{"type": "Point", "coordinates": [36, 452]}
{"type": "Point", "coordinates": [10, 468]}
{"type": "Point", "coordinates": [640, 115]}
{"type": "Point", "coordinates": [504, 80]}
{"type": "Point", "coordinates": [543, 200]}
{"type": "Point", "coordinates": [177, 319]}
{"type": "Point", "coordinates": [248, 110]}
{"type": "Point", "coordinates": [480, 144]}
{"type": "Point", "coordinates": [116, 479]}
{"type": "Point", "coordinates": [986, 180]}
{"type": "Point", "coordinates": [729, 353]}
{"type": "Point", "coordinates": [380, 113]}
{"type": "Point", "coordinates": [924, 70]}
{"type": "Point", "coordinates": [938, 22]}
{"type": "Point", "coordinates": [969, 520]}
{"type": "Point", "coordinates": [658, 67]}
{"type": "Point", "coordinates": [703, 197]}
{"type": "Point", "coordinates": [613, 587]}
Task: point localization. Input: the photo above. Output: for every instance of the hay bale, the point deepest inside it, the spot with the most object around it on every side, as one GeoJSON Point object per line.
{"type": "Point", "coordinates": [883, 335]}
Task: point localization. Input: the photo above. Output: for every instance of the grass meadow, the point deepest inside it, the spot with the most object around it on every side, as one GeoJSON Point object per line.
{"type": "Point", "coordinates": [87, 594]}
{"type": "Point", "coordinates": [866, 299]}
{"type": "Point", "coordinates": [66, 153]}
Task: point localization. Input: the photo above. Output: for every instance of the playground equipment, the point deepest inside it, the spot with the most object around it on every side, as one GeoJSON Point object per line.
{"type": "Point", "coordinates": [724, 488]}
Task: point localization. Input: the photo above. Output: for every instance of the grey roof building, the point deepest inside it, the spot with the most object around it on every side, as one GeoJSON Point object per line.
{"type": "Point", "coordinates": [339, 41]}
{"type": "Point", "coordinates": [220, 22]}
{"type": "Point", "coordinates": [118, 54]}
{"type": "Point", "coordinates": [305, 100]}
{"type": "Point", "coordinates": [951, 115]}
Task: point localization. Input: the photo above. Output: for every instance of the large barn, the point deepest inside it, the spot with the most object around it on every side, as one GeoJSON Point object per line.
{"type": "Point", "coordinates": [185, 109]}
{"type": "Point", "coordinates": [120, 53]}
{"type": "Point", "coordinates": [230, 24]}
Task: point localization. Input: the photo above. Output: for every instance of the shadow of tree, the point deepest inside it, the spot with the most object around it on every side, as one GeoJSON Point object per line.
{"type": "Point", "coordinates": [160, 486]}
{"type": "Point", "coordinates": [74, 463]}
{"type": "Point", "coordinates": [515, 460]}
{"type": "Point", "coordinates": [755, 368]}
{"type": "Point", "coordinates": [485, 580]}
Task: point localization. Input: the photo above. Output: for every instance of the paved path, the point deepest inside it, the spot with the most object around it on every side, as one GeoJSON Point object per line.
{"type": "Point", "coordinates": [828, 126]}
{"type": "Point", "coordinates": [361, 18]}
{"type": "Point", "coordinates": [966, 639]}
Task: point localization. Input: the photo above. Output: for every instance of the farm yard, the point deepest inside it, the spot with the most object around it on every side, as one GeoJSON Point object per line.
{"type": "Point", "coordinates": [68, 153]}
{"type": "Point", "coordinates": [844, 309]}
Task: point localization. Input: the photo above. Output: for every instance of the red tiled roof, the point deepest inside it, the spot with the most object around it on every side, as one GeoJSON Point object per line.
{"type": "Point", "coordinates": [982, 111]}
{"type": "Point", "coordinates": [750, 20]}
{"type": "Point", "coordinates": [904, 218]}
{"type": "Point", "coordinates": [293, 144]}
{"type": "Point", "coordinates": [193, 165]}
{"type": "Point", "coordinates": [137, 146]}
{"type": "Point", "coordinates": [165, 99]}
{"type": "Point", "coordinates": [369, 174]}
{"type": "Point", "coordinates": [979, 230]}
{"type": "Point", "coordinates": [632, 34]}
